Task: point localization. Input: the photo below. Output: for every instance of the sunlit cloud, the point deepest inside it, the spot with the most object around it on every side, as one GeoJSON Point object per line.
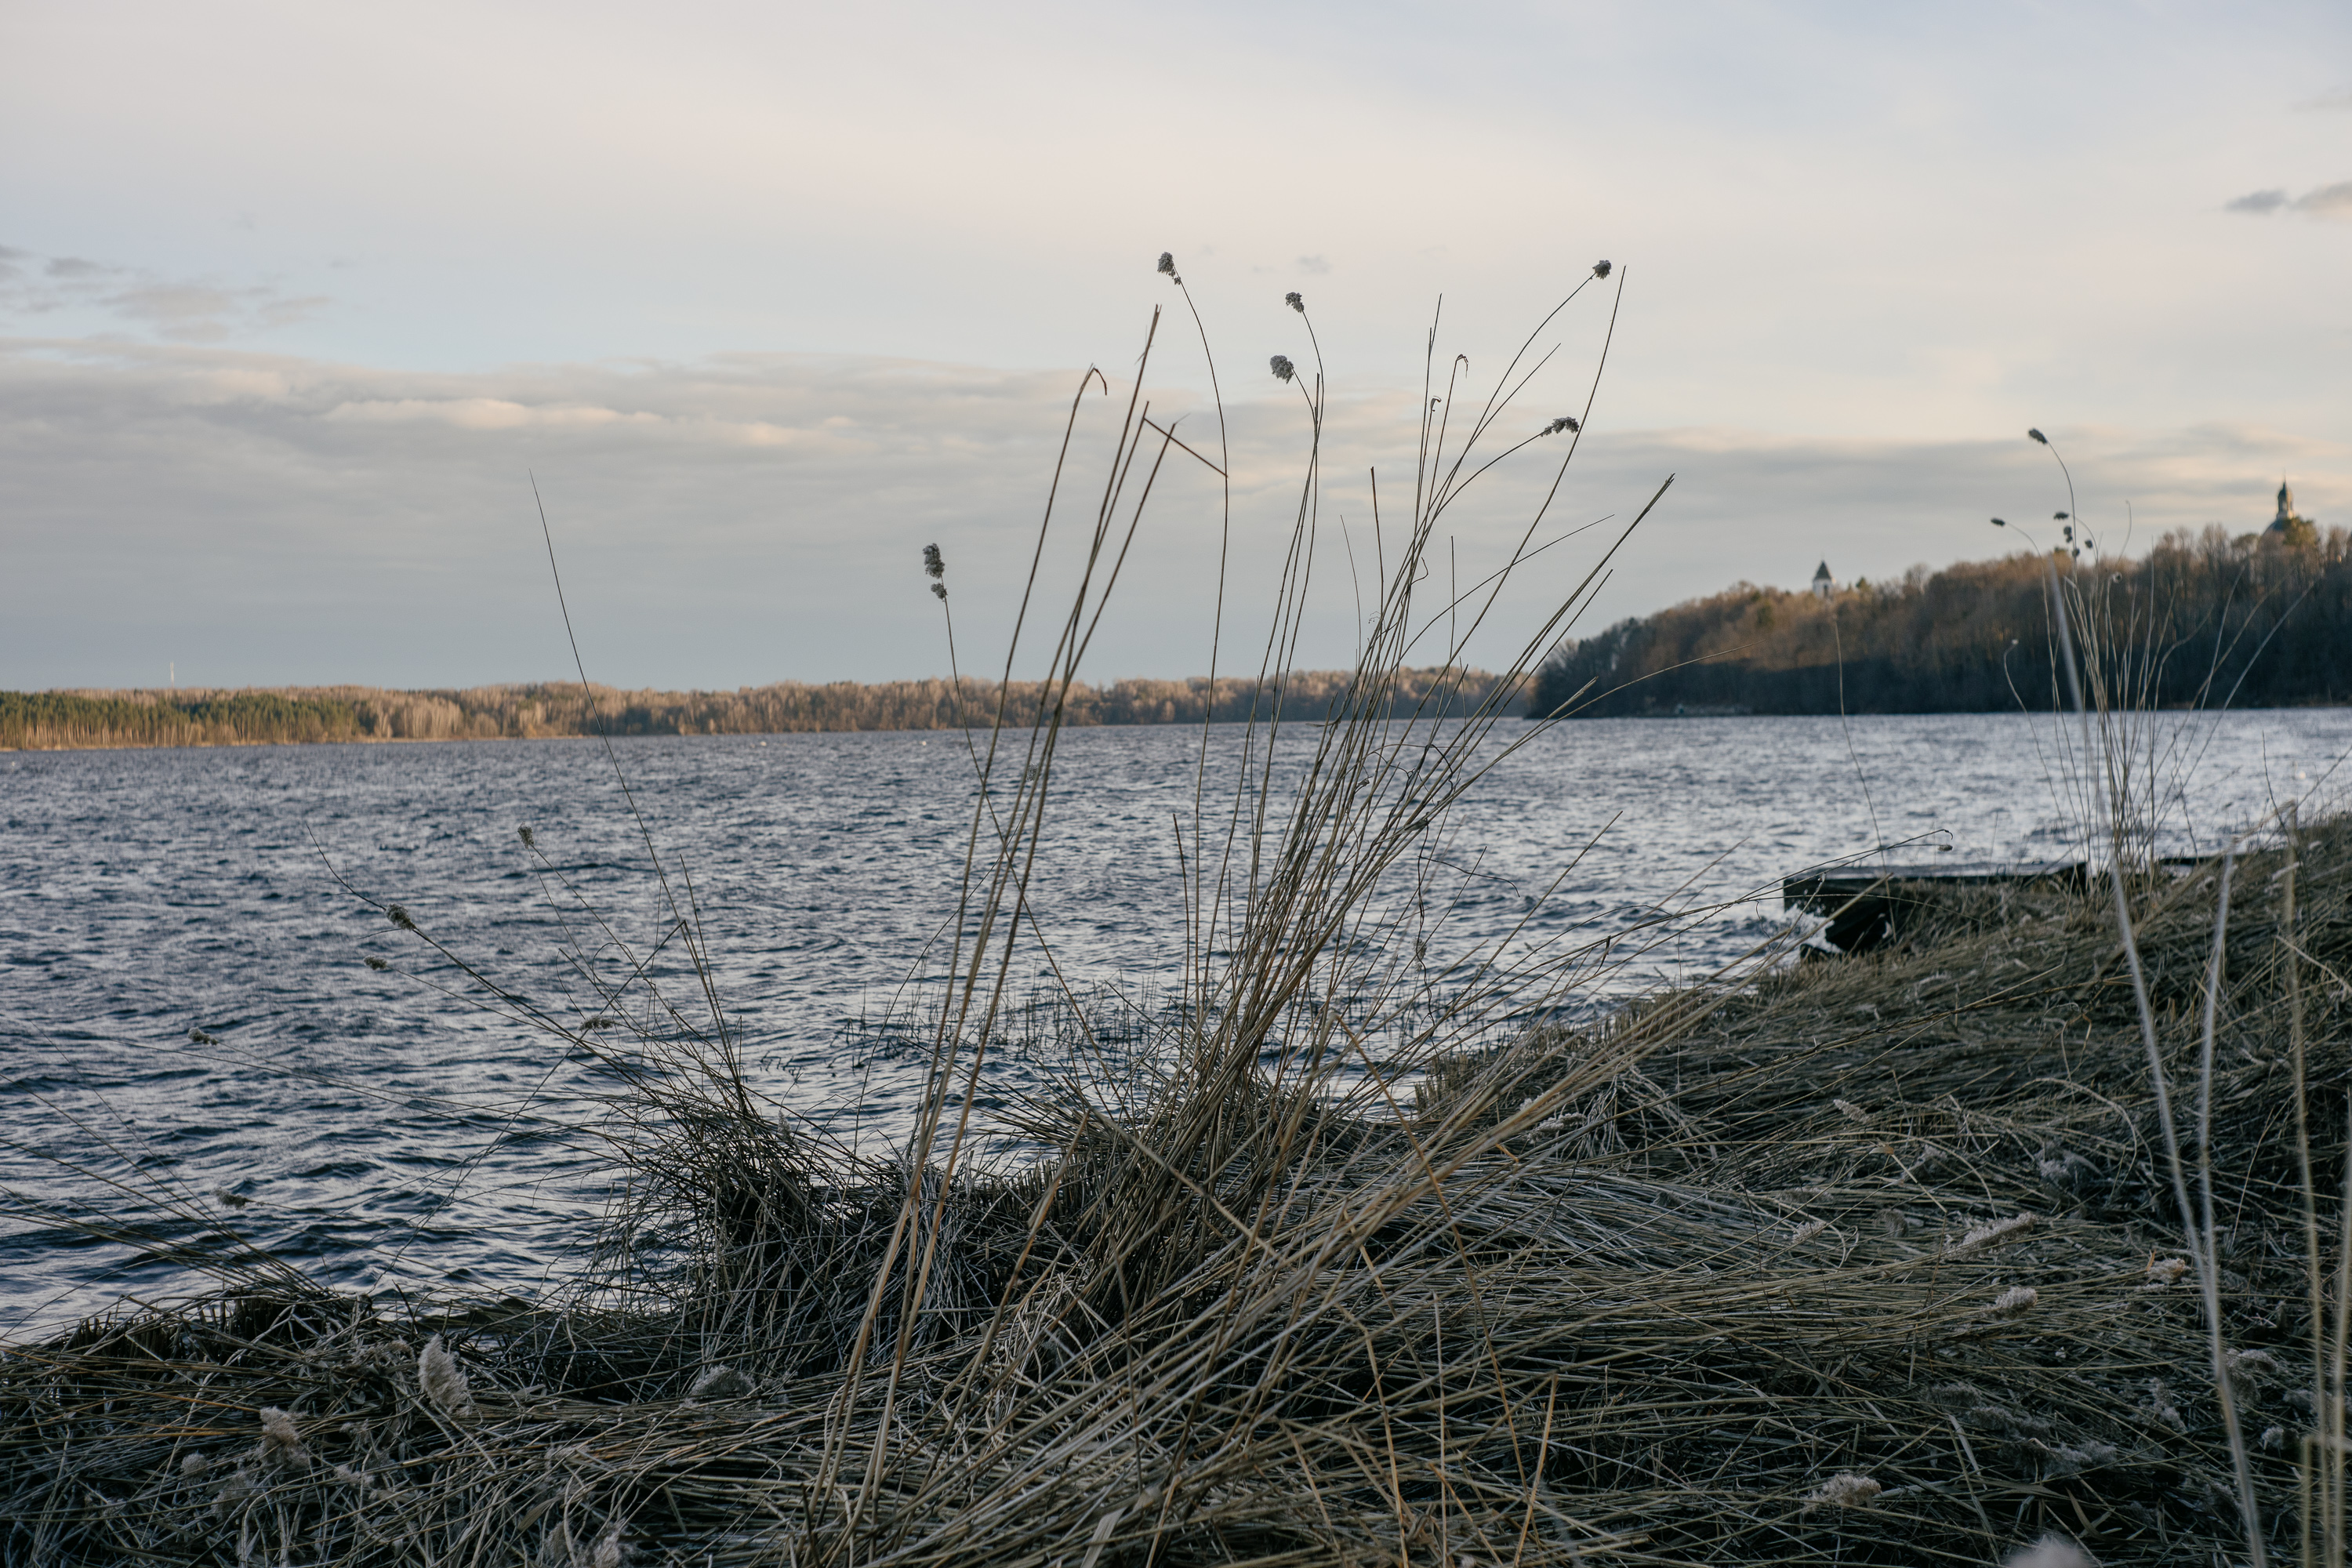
{"type": "Point", "coordinates": [755, 517]}
{"type": "Point", "coordinates": [2328, 201]}
{"type": "Point", "coordinates": [302, 303]}
{"type": "Point", "coordinates": [484, 413]}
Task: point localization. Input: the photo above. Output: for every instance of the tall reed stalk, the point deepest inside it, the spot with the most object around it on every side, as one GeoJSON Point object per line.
{"type": "Point", "coordinates": [1359, 1256]}
{"type": "Point", "coordinates": [2123, 764]}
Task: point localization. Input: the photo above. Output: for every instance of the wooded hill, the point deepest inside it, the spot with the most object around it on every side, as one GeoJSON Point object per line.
{"type": "Point", "coordinates": [63, 719]}
{"type": "Point", "coordinates": [2255, 621]}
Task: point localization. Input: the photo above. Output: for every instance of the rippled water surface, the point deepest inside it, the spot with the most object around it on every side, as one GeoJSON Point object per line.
{"type": "Point", "coordinates": [361, 1123]}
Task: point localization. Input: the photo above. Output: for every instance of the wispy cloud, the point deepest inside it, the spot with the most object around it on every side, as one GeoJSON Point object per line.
{"type": "Point", "coordinates": [2328, 201]}
{"type": "Point", "coordinates": [2341, 98]}
{"type": "Point", "coordinates": [755, 517]}
{"type": "Point", "coordinates": [195, 311]}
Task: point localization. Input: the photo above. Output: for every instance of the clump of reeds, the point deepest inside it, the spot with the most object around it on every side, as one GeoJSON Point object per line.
{"type": "Point", "coordinates": [1471, 1329]}
{"type": "Point", "coordinates": [1836, 1262]}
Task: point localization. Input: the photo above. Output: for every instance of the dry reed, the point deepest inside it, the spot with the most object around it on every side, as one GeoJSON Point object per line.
{"type": "Point", "coordinates": [1860, 1261]}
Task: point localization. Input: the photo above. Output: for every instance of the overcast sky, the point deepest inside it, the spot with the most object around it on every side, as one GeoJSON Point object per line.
{"type": "Point", "coordinates": [294, 299]}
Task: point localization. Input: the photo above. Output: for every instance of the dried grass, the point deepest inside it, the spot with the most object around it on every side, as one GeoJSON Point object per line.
{"type": "Point", "coordinates": [1463, 1333]}
{"type": "Point", "coordinates": [1860, 1261]}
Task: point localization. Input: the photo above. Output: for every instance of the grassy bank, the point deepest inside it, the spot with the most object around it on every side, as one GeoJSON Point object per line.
{"type": "Point", "coordinates": [1872, 1261]}
{"type": "Point", "coordinates": [54, 721]}
{"type": "Point", "coordinates": [1338, 1259]}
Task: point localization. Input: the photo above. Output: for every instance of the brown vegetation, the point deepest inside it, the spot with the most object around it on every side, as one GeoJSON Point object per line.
{"type": "Point", "coordinates": [1870, 1261]}
{"type": "Point", "coordinates": [52, 721]}
{"type": "Point", "coordinates": [2257, 620]}
{"type": "Point", "coordinates": [1874, 1263]}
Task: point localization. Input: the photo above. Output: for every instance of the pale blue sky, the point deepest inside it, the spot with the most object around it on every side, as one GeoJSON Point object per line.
{"type": "Point", "coordinates": [771, 295]}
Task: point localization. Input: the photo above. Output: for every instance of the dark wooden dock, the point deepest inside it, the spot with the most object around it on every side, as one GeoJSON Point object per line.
{"type": "Point", "coordinates": [1867, 902]}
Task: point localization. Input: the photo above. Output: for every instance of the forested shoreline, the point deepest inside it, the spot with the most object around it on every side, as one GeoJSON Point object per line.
{"type": "Point", "coordinates": [59, 721]}
{"type": "Point", "coordinates": [2255, 621]}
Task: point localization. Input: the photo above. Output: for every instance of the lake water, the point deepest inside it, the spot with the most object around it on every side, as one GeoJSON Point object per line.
{"type": "Point", "coordinates": [381, 1128]}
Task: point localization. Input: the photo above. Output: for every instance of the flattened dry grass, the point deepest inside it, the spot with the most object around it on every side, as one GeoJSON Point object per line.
{"type": "Point", "coordinates": [1639, 1295]}
{"type": "Point", "coordinates": [1866, 1262]}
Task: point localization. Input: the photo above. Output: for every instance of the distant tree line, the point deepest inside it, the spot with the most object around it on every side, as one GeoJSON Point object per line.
{"type": "Point", "coordinates": [2257, 620]}
{"type": "Point", "coordinates": [50, 719]}
{"type": "Point", "coordinates": [63, 719]}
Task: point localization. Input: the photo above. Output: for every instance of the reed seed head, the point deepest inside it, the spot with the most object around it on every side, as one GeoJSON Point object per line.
{"type": "Point", "coordinates": [719, 1383]}
{"type": "Point", "coordinates": [2062, 1169]}
{"type": "Point", "coordinates": [2252, 1364]}
{"type": "Point", "coordinates": [1807, 1231]}
{"type": "Point", "coordinates": [939, 592]}
{"type": "Point", "coordinates": [1283, 369]}
{"type": "Point", "coordinates": [2015, 1302]}
{"type": "Point", "coordinates": [240, 1487]}
{"type": "Point", "coordinates": [1295, 302]}
{"type": "Point", "coordinates": [1600, 268]}
{"type": "Point", "coordinates": [2000, 523]}
{"type": "Point", "coordinates": [372, 962]}
{"type": "Point", "coordinates": [1168, 265]}
{"type": "Point", "coordinates": [1991, 1232]}
{"type": "Point", "coordinates": [2069, 1459]}
{"type": "Point", "coordinates": [1845, 1490]}
{"type": "Point", "coordinates": [934, 566]}
{"type": "Point", "coordinates": [280, 1438]}
{"type": "Point", "coordinates": [1563, 423]}
{"type": "Point", "coordinates": [197, 1036]}
{"type": "Point", "coordinates": [399, 917]}
{"type": "Point", "coordinates": [443, 1379]}
{"type": "Point", "coordinates": [2039, 436]}
{"type": "Point", "coordinates": [2052, 1551]}
{"type": "Point", "coordinates": [2163, 1271]}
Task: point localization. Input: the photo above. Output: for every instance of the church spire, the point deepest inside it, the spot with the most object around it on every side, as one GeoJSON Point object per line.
{"type": "Point", "coordinates": [2289, 525]}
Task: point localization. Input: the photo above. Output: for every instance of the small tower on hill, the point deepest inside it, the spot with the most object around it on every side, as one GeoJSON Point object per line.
{"type": "Point", "coordinates": [1824, 585]}
{"type": "Point", "coordinates": [2288, 527]}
